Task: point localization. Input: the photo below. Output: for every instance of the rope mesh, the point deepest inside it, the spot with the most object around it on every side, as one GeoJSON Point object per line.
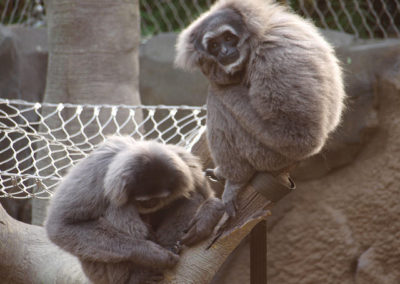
{"type": "Point", "coordinates": [40, 141]}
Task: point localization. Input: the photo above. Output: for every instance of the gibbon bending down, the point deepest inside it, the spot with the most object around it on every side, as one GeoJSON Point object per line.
{"type": "Point", "coordinates": [124, 210]}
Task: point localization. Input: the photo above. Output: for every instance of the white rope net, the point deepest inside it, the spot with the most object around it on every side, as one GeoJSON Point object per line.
{"type": "Point", "coordinates": [40, 141]}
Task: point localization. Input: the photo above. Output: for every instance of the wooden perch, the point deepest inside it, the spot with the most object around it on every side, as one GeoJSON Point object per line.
{"type": "Point", "coordinates": [28, 256]}
{"type": "Point", "coordinates": [198, 264]}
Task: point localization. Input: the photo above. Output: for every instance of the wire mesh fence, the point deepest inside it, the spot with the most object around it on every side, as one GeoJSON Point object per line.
{"type": "Point", "coordinates": [39, 142]}
{"type": "Point", "coordinates": [363, 18]}
{"type": "Point", "coordinates": [28, 12]}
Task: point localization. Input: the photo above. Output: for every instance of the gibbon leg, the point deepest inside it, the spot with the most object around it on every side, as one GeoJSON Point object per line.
{"type": "Point", "coordinates": [229, 196]}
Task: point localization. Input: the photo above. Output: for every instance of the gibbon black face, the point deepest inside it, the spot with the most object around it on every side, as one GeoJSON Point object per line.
{"type": "Point", "coordinates": [156, 180]}
{"type": "Point", "coordinates": [221, 37]}
{"type": "Point", "coordinates": [224, 47]}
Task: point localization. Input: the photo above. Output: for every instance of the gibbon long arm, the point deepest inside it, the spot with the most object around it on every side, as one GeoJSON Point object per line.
{"type": "Point", "coordinates": [114, 246]}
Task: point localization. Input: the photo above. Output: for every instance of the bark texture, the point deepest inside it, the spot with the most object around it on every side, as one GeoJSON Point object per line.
{"type": "Point", "coordinates": [27, 256]}
{"type": "Point", "coordinates": [93, 59]}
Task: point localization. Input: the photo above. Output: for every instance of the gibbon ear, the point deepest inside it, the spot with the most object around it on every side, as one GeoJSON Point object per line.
{"type": "Point", "coordinates": [119, 174]}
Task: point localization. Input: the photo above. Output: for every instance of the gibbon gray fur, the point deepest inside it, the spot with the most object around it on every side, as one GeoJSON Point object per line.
{"type": "Point", "coordinates": [276, 90]}
{"type": "Point", "coordinates": [126, 208]}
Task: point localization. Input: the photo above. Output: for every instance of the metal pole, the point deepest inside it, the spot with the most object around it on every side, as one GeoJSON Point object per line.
{"type": "Point", "coordinates": [258, 254]}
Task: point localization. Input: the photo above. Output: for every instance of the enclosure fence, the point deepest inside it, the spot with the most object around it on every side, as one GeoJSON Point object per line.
{"type": "Point", "coordinates": [39, 142]}
{"type": "Point", "coordinates": [362, 18]}
{"type": "Point", "coordinates": [28, 12]}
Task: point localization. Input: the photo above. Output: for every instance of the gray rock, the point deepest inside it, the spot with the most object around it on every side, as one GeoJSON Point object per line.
{"type": "Point", "coordinates": [161, 82]}
{"type": "Point", "coordinates": [23, 62]}
{"type": "Point", "coordinates": [337, 38]}
{"type": "Point", "coordinates": [362, 65]}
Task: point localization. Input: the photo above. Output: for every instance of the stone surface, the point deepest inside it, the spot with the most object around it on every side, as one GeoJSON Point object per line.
{"type": "Point", "coordinates": [23, 62]}
{"type": "Point", "coordinates": [160, 82]}
{"type": "Point", "coordinates": [345, 226]}
{"type": "Point", "coordinates": [362, 64]}
{"type": "Point", "coordinates": [338, 39]}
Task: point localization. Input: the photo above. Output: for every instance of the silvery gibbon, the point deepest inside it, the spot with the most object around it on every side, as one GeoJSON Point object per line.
{"type": "Point", "coordinates": [276, 89]}
{"type": "Point", "coordinates": [126, 209]}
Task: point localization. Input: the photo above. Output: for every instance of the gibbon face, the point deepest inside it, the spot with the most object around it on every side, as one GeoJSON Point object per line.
{"type": "Point", "coordinates": [155, 181]}
{"type": "Point", "coordinates": [222, 37]}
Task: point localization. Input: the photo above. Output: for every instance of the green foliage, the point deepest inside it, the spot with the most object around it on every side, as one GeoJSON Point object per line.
{"type": "Point", "coordinates": [12, 12]}
{"type": "Point", "coordinates": [365, 19]}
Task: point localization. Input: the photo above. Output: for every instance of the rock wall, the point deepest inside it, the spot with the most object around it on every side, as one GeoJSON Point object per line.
{"type": "Point", "coordinates": [161, 83]}
{"type": "Point", "coordinates": [344, 228]}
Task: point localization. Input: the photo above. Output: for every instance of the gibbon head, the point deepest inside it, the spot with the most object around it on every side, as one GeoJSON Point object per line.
{"type": "Point", "coordinates": [217, 42]}
{"type": "Point", "coordinates": [221, 37]}
{"type": "Point", "coordinates": [148, 175]}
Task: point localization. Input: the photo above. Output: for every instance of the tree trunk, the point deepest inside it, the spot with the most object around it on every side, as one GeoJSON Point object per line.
{"type": "Point", "coordinates": [93, 59]}
{"type": "Point", "coordinates": [27, 256]}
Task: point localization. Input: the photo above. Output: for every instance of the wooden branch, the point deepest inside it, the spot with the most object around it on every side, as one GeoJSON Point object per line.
{"type": "Point", "coordinates": [198, 264]}
{"type": "Point", "coordinates": [27, 256]}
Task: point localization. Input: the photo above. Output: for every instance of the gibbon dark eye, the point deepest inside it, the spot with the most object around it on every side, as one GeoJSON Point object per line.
{"type": "Point", "coordinates": [213, 45]}
{"type": "Point", "coordinates": [230, 38]}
